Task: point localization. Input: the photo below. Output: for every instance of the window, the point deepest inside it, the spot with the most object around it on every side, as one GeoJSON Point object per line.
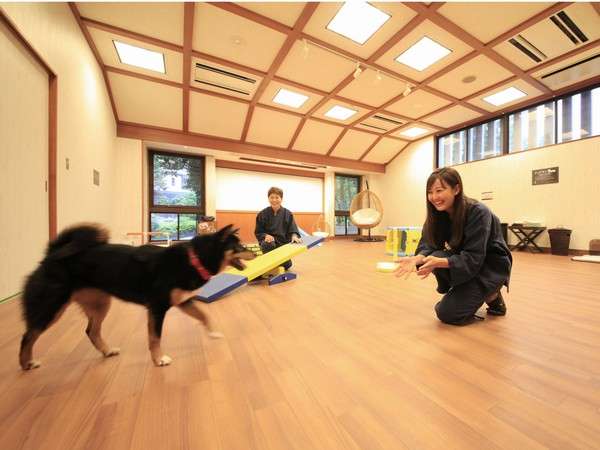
{"type": "Point", "coordinates": [452, 149]}
{"type": "Point", "coordinates": [567, 118]}
{"type": "Point", "coordinates": [485, 140]}
{"type": "Point", "coordinates": [531, 128]}
{"type": "Point", "coordinates": [346, 187]}
{"type": "Point", "coordinates": [578, 116]}
{"type": "Point", "coordinates": [176, 194]}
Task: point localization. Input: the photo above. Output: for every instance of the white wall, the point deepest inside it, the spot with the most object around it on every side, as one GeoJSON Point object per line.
{"type": "Point", "coordinates": [86, 127]}
{"type": "Point", "coordinates": [241, 190]}
{"type": "Point", "coordinates": [572, 203]}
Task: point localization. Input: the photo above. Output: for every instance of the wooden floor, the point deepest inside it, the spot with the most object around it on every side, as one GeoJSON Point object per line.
{"type": "Point", "coordinates": [341, 358]}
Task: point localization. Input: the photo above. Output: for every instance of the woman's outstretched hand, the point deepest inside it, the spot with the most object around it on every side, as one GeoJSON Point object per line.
{"type": "Point", "coordinates": [430, 263]}
{"type": "Point", "coordinates": [408, 265]}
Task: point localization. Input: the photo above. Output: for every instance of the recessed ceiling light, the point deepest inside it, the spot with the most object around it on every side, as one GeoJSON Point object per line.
{"type": "Point", "coordinates": [358, 21]}
{"type": "Point", "coordinates": [414, 132]}
{"type": "Point", "coordinates": [340, 113]}
{"type": "Point", "coordinates": [423, 54]}
{"type": "Point", "coordinates": [469, 79]}
{"type": "Point", "coordinates": [290, 98]}
{"type": "Point", "coordinates": [505, 96]}
{"type": "Point", "coordinates": [140, 57]}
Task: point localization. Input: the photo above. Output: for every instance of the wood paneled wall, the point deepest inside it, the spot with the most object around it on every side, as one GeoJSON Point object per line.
{"type": "Point", "coordinates": [246, 221]}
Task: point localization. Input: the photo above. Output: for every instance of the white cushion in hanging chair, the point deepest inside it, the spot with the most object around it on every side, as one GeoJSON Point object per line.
{"type": "Point", "coordinates": [366, 216]}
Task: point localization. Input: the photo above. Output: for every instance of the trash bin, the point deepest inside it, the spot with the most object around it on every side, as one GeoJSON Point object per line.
{"type": "Point", "coordinates": [559, 240]}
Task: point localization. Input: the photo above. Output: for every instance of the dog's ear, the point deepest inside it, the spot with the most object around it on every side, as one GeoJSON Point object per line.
{"type": "Point", "coordinates": [227, 231]}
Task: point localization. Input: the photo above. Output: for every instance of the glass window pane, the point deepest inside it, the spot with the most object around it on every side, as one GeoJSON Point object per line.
{"type": "Point", "coordinates": [177, 180]}
{"type": "Point", "coordinates": [187, 226]}
{"type": "Point", "coordinates": [345, 189]}
{"type": "Point", "coordinates": [163, 222]}
{"type": "Point", "coordinates": [531, 128]}
{"type": "Point", "coordinates": [579, 116]}
{"type": "Point", "coordinates": [340, 225]}
{"type": "Point", "coordinates": [452, 149]}
{"type": "Point", "coordinates": [485, 140]}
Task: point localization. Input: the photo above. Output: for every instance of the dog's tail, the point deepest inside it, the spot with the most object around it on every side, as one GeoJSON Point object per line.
{"type": "Point", "coordinates": [76, 239]}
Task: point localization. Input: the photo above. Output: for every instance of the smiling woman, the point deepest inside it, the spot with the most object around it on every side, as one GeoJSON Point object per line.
{"type": "Point", "coordinates": [463, 246]}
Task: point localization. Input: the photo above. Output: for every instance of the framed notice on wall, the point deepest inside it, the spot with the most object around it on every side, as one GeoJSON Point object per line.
{"type": "Point", "coordinates": [544, 176]}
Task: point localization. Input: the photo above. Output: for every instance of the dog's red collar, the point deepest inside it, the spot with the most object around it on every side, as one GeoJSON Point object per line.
{"type": "Point", "coordinates": [194, 261]}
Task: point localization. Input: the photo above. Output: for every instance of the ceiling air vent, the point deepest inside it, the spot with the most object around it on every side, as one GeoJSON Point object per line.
{"type": "Point", "coordinates": [223, 79]}
{"type": "Point", "coordinates": [569, 28]}
{"type": "Point", "coordinates": [573, 73]}
{"type": "Point", "coordinates": [527, 48]}
{"type": "Point", "coordinates": [380, 123]}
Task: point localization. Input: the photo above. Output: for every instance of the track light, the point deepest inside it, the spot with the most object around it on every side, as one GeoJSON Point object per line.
{"type": "Point", "coordinates": [407, 91]}
{"type": "Point", "coordinates": [358, 70]}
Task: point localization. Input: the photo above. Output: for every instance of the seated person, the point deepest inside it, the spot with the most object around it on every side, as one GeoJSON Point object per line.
{"type": "Point", "coordinates": [275, 225]}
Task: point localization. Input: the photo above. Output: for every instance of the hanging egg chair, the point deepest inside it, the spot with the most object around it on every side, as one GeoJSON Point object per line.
{"type": "Point", "coordinates": [366, 212]}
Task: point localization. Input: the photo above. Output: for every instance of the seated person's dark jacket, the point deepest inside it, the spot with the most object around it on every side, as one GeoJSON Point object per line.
{"type": "Point", "coordinates": [482, 254]}
{"type": "Point", "coordinates": [281, 225]}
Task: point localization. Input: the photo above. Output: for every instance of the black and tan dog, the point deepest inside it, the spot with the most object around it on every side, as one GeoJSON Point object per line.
{"type": "Point", "coordinates": [81, 266]}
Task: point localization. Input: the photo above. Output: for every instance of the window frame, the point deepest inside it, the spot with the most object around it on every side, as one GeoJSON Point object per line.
{"type": "Point", "coordinates": [504, 119]}
{"type": "Point", "coordinates": [341, 212]}
{"type": "Point", "coordinates": [199, 210]}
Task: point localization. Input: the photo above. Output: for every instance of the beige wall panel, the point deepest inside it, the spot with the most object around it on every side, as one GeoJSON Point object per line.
{"type": "Point", "coordinates": [232, 37]}
{"type": "Point", "coordinates": [368, 89]}
{"type": "Point", "coordinates": [417, 104]}
{"type": "Point", "coordinates": [485, 21]}
{"type": "Point", "coordinates": [317, 27]}
{"type": "Point", "coordinates": [315, 67]}
{"type": "Point", "coordinates": [127, 201]}
{"type": "Point", "coordinates": [453, 116]}
{"type": "Point", "coordinates": [486, 71]}
{"type": "Point", "coordinates": [385, 150]}
{"type": "Point", "coordinates": [274, 87]}
{"type": "Point", "coordinates": [146, 102]}
{"type": "Point", "coordinates": [272, 128]}
{"type": "Point", "coordinates": [523, 86]}
{"type": "Point", "coordinates": [402, 187]}
{"type": "Point", "coordinates": [317, 137]}
{"type": "Point", "coordinates": [159, 20]}
{"type": "Point", "coordinates": [432, 31]}
{"type": "Point", "coordinates": [353, 144]}
{"type": "Point", "coordinates": [285, 13]}
{"type": "Point", "coordinates": [320, 113]}
{"type": "Point", "coordinates": [104, 43]}
{"type": "Point", "coordinates": [216, 116]}
{"type": "Point", "coordinates": [23, 163]}
{"type": "Point", "coordinates": [86, 126]}
{"type": "Point", "coordinates": [570, 203]}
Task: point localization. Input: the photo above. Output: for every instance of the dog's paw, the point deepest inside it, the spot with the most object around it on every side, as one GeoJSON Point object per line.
{"type": "Point", "coordinates": [31, 365]}
{"type": "Point", "coordinates": [164, 360]}
{"type": "Point", "coordinates": [215, 335]}
{"type": "Point", "coordinates": [112, 352]}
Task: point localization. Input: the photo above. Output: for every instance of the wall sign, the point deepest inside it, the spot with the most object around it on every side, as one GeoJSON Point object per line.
{"type": "Point", "coordinates": [544, 176]}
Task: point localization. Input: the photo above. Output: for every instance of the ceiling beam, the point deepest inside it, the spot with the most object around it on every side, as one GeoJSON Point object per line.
{"type": "Point", "coordinates": [188, 35]}
{"type": "Point", "coordinates": [96, 54]}
{"type": "Point", "coordinates": [305, 16]}
{"type": "Point", "coordinates": [131, 34]}
{"type": "Point", "coordinates": [468, 39]}
{"type": "Point", "coordinates": [155, 134]}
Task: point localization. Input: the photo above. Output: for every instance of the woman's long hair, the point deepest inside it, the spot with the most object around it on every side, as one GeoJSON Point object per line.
{"type": "Point", "coordinates": [438, 229]}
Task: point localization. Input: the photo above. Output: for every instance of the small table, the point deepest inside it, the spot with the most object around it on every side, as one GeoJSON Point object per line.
{"type": "Point", "coordinates": [526, 236]}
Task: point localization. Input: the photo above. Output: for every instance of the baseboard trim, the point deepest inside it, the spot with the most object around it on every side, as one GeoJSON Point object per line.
{"type": "Point", "coordinates": [10, 297]}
